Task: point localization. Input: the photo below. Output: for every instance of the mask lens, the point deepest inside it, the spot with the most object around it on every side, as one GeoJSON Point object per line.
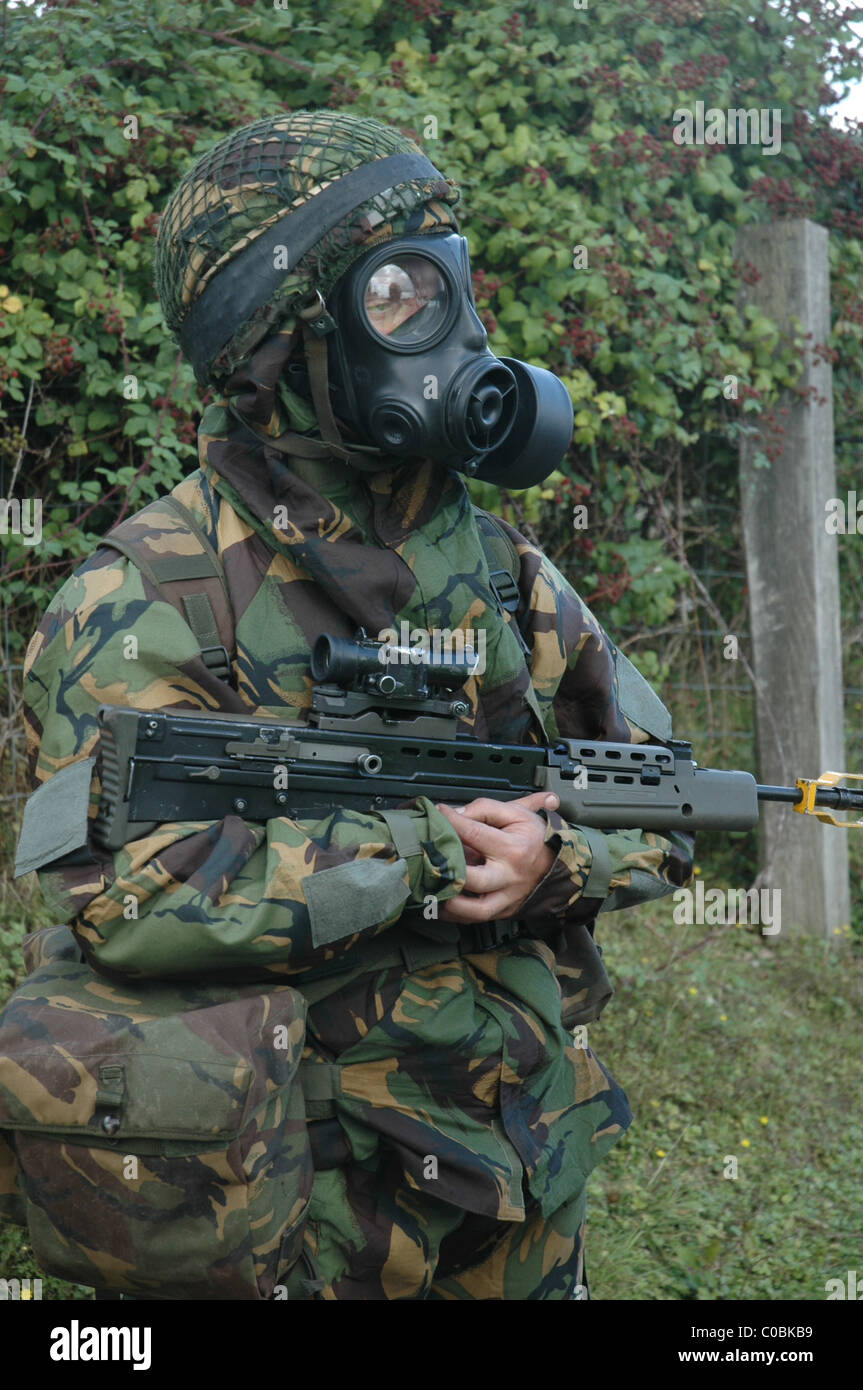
{"type": "Point", "coordinates": [406, 300]}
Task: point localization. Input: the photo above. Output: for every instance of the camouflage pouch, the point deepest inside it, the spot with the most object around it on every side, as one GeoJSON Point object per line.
{"type": "Point", "coordinates": [49, 944]}
{"type": "Point", "coordinates": [153, 1138]}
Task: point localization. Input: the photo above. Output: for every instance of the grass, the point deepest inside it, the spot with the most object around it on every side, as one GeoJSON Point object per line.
{"type": "Point", "coordinates": [729, 1047]}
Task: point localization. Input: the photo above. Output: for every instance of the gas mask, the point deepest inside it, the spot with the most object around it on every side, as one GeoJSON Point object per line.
{"type": "Point", "coordinates": [411, 374]}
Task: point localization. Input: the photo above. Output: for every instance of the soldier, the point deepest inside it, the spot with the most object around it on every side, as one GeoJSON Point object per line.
{"type": "Point", "coordinates": [311, 268]}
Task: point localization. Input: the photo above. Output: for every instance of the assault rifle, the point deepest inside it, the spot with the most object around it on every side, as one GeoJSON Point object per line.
{"type": "Point", "coordinates": [382, 729]}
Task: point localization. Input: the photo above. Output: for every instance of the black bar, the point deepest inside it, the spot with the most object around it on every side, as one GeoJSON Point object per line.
{"type": "Point", "coordinates": [837, 798]}
{"type": "Point", "coordinates": [793, 794]}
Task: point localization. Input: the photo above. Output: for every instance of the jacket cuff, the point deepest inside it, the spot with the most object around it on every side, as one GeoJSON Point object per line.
{"type": "Point", "coordinates": [437, 864]}
{"type": "Point", "coordinates": [562, 889]}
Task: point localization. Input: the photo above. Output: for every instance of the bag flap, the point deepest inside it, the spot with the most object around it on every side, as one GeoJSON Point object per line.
{"type": "Point", "coordinates": [83, 1056]}
{"type": "Point", "coordinates": [47, 944]}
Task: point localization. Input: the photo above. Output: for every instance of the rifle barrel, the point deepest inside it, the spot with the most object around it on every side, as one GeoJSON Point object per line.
{"type": "Point", "coordinates": [837, 798]}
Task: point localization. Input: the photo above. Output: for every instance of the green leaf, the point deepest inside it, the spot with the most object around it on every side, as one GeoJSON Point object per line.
{"type": "Point", "coordinates": [41, 193]}
{"type": "Point", "coordinates": [74, 262]}
{"type": "Point", "coordinates": [99, 418]}
{"type": "Point", "coordinates": [136, 425]}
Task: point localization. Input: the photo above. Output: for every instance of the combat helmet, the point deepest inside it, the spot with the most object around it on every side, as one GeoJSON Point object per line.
{"type": "Point", "coordinates": [267, 222]}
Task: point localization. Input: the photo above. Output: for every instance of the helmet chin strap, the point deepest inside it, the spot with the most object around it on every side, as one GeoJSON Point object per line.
{"type": "Point", "coordinates": [316, 324]}
{"type": "Point", "coordinates": [368, 459]}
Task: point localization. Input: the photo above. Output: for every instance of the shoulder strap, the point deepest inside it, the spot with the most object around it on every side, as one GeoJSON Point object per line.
{"type": "Point", "coordinates": [192, 578]}
{"type": "Point", "coordinates": [504, 568]}
{"type": "Point", "coordinates": [637, 699]}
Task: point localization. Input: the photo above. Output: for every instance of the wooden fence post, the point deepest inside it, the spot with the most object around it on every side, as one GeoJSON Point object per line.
{"type": "Point", "coordinates": [793, 576]}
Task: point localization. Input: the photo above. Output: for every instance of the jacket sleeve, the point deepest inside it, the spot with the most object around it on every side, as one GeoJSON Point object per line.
{"type": "Point", "coordinates": [574, 677]}
{"type": "Point", "coordinates": [193, 897]}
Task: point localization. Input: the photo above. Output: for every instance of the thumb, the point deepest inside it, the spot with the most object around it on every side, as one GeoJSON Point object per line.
{"type": "Point", "coordinates": [504, 813]}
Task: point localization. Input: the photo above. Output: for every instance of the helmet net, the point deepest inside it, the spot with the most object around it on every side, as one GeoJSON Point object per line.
{"type": "Point", "coordinates": [259, 175]}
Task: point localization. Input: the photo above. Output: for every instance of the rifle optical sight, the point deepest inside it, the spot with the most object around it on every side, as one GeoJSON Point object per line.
{"type": "Point", "coordinates": [340, 661]}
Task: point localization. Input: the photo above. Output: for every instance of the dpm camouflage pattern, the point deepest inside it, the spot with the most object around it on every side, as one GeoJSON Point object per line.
{"type": "Point", "coordinates": [468, 1062]}
{"type": "Point", "coordinates": [179, 1169]}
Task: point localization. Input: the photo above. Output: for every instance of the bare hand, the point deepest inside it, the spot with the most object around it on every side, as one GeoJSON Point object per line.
{"type": "Point", "coordinates": [505, 854]}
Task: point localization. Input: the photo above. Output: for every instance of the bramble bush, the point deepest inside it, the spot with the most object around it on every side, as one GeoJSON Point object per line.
{"type": "Point", "coordinates": [601, 247]}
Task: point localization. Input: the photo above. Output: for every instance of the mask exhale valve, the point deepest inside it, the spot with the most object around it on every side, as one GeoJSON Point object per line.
{"type": "Point", "coordinates": [480, 407]}
{"type": "Point", "coordinates": [540, 434]}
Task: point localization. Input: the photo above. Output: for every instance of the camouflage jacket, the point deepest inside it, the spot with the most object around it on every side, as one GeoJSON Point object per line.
{"type": "Point", "coordinates": [470, 1059]}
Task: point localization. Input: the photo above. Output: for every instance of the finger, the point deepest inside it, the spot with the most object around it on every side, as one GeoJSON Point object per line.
{"type": "Point", "coordinates": [487, 878]}
{"type": "Point", "coordinates": [492, 844]}
{"type": "Point", "coordinates": [503, 813]}
{"type": "Point", "coordinates": [482, 909]}
{"type": "Point", "coordinates": [471, 856]}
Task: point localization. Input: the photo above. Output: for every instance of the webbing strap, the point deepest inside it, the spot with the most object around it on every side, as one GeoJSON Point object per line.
{"type": "Point", "coordinates": [133, 553]}
{"type": "Point", "coordinates": [601, 869]}
{"type": "Point", "coordinates": [202, 621]}
{"type": "Point", "coordinates": [112, 1085]}
{"type": "Point", "coordinates": [290, 443]}
{"type": "Point", "coordinates": [407, 949]}
{"type": "Point", "coordinates": [170, 573]}
{"type": "Point", "coordinates": [403, 831]}
{"type": "Point", "coordinates": [322, 1085]}
{"type": "Point", "coordinates": [496, 541]}
{"type": "Point", "coordinates": [504, 569]}
{"type": "Point", "coordinates": [170, 569]}
{"type": "Point", "coordinates": [316, 361]}
{"type": "Point", "coordinates": [204, 541]}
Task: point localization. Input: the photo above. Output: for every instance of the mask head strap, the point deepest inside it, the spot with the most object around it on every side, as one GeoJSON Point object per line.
{"type": "Point", "coordinates": [316, 326]}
